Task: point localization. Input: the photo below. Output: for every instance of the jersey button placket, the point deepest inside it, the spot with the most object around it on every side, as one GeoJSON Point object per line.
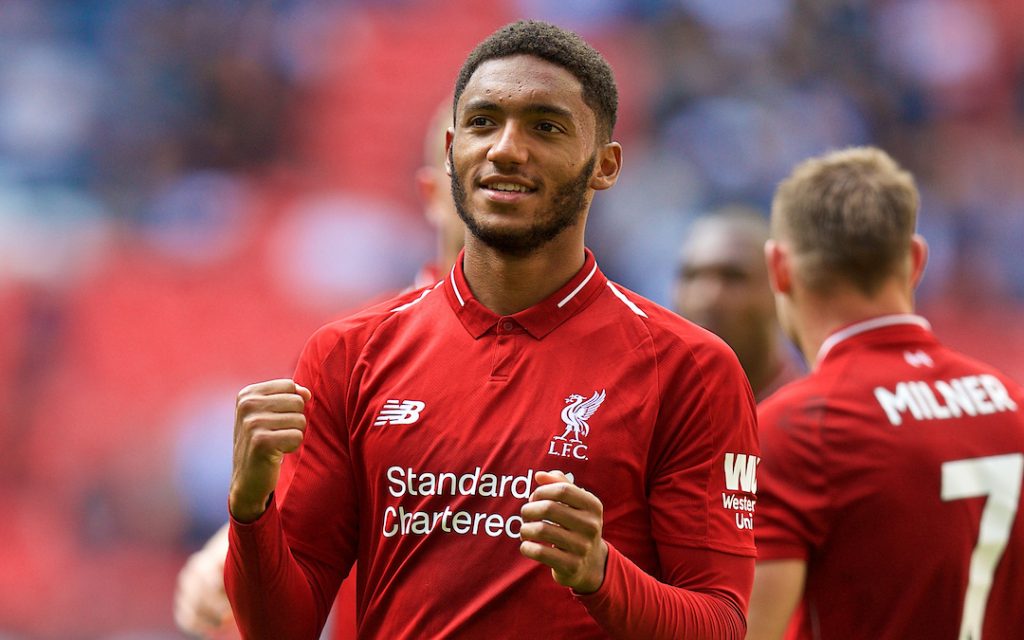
{"type": "Point", "coordinates": [505, 349]}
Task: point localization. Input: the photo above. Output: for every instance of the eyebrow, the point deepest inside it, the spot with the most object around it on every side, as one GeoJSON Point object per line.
{"type": "Point", "coordinates": [543, 109]}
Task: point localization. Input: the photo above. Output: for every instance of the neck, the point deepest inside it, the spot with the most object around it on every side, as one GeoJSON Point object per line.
{"type": "Point", "coordinates": [763, 370]}
{"type": "Point", "coordinates": [819, 316]}
{"type": "Point", "coordinates": [508, 284]}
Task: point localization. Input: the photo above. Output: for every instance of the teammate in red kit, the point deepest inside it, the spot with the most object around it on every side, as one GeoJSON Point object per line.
{"type": "Point", "coordinates": [201, 607]}
{"type": "Point", "coordinates": [523, 449]}
{"type": "Point", "coordinates": [889, 499]}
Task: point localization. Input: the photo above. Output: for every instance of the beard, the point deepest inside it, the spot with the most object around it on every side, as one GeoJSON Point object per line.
{"type": "Point", "coordinates": [568, 201]}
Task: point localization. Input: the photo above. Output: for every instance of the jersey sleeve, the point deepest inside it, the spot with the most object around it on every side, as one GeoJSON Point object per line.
{"type": "Point", "coordinates": [793, 503]}
{"type": "Point", "coordinates": [704, 459]}
{"type": "Point", "coordinates": [283, 570]}
{"type": "Point", "coordinates": [633, 604]}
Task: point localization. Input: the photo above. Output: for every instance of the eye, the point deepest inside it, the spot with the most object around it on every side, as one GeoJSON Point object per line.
{"type": "Point", "coordinates": [689, 274]}
{"type": "Point", "coordinates": [734, 275]}
{"type": "Point", "coordinates": [479, 121]}
{"type": "Point", "coordinates": [549, 127]}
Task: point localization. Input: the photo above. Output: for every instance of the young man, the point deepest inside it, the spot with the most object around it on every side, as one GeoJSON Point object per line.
{"type": "Point", "coordinates": [722, 285]}
{"type": "Point", "coordinates": [889, 499]}
{"type": "Point", "coordinates": [524, 449]}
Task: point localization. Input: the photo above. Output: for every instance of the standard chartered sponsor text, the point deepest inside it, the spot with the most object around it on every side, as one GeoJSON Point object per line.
{"type": "Point", "coordinates": [405, 481]}
{"type": "Point", "coordinates": [398, 521]}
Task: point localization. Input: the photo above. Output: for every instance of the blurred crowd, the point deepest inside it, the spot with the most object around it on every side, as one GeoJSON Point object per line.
{"type": "Point", "coordinates": [188, 189]}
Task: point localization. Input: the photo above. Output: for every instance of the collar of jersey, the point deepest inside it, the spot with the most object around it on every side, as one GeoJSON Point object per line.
{"type": "Point", "coordinates": [538, 320]}
{"type": "Point", "coordinates": [872, 324]}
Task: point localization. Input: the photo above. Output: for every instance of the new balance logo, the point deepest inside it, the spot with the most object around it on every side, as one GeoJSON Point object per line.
{"type": "Point", "coordinates": [399, 412]}
{"type": "Point", "coordinates": [741, 472]}
{"type": "Point", "coordinates": [918, 359]}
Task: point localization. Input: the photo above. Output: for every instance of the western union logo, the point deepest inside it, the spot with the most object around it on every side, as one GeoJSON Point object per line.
{"type": "Point", "coordinates": [741, 472]}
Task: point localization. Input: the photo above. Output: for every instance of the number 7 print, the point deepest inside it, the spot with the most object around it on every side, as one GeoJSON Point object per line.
{"type": "Point", "coordinates": [998, 478]}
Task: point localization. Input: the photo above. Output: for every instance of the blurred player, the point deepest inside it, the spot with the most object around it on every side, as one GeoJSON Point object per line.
{"type": "Point", "coordinates": [435, 191]}
{"type": "Point", "coordinates": [201, 606]}
{"type": "Point", "coordinates": [722, 285]}
{"type": "Point", "coordinates": [889, 498]}
{"type": "Point", "coordinates": [524, 449]}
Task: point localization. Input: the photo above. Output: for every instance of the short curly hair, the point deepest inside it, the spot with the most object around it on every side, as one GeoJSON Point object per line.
{"type": "Point", "coordinates": [558, 46]}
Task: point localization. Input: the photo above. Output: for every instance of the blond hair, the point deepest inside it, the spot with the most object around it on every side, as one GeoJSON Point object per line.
{"type": "Point", "coordinates": [848, 216]}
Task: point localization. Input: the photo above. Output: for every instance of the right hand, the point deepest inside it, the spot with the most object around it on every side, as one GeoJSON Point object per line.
{"type": "Point", "coordinates": [269, 422]}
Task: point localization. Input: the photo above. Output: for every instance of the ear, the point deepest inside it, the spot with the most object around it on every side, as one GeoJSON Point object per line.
{"type": "Point", "coordinates": [777, 259]}
{"type": "Point", "coordinates": [607, 167]}
{"type": "Point", "coordinates": [918, 259]}
{"type": "Point", "coordinates": [449, 135]}
{"type": "Point", "coordinates": [426, 185]}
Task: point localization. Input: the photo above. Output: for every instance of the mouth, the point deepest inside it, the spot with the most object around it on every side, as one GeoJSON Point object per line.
{"type": "Point", "coordinates": [499, 189]}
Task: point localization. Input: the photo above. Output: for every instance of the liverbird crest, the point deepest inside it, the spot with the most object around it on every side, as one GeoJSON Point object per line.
{"type": "Point", "coordinates": [577, 412]}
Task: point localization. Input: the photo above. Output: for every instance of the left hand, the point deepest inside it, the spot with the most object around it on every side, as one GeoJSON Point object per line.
{"type": "Point", "coordinates": [562, 526]}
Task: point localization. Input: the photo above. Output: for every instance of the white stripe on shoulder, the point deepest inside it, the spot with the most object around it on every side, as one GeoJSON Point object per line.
{"type": "Point", "coordinates": [580, 286]}
{"type": "Point", "coordinates": [422, 295]}
{"type": "Point", "coordinates": [455, 288]}
{"type": "Point", "coordinates": [629, 303]}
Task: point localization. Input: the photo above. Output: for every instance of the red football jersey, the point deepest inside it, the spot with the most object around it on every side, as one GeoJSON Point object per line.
{"type": "Point", "coordinates": [428, 420]}
{"type": "Point", "coordinates": [895, 470]}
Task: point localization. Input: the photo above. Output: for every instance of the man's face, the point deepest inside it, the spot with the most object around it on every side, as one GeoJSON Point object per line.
{"type": "Point", "coordinates": [522, 154]}
{"type": "Point", "coordinates": [722, 285]}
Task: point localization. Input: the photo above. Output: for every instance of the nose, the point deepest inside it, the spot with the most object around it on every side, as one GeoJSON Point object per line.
{"type": "Point", "coordinates": [510, 145]}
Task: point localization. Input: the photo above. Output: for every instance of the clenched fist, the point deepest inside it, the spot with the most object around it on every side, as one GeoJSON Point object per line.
{"type": "Point", "coordinates": [562, 526]}
{"type": "Point", "coordinates": [269, 422]}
